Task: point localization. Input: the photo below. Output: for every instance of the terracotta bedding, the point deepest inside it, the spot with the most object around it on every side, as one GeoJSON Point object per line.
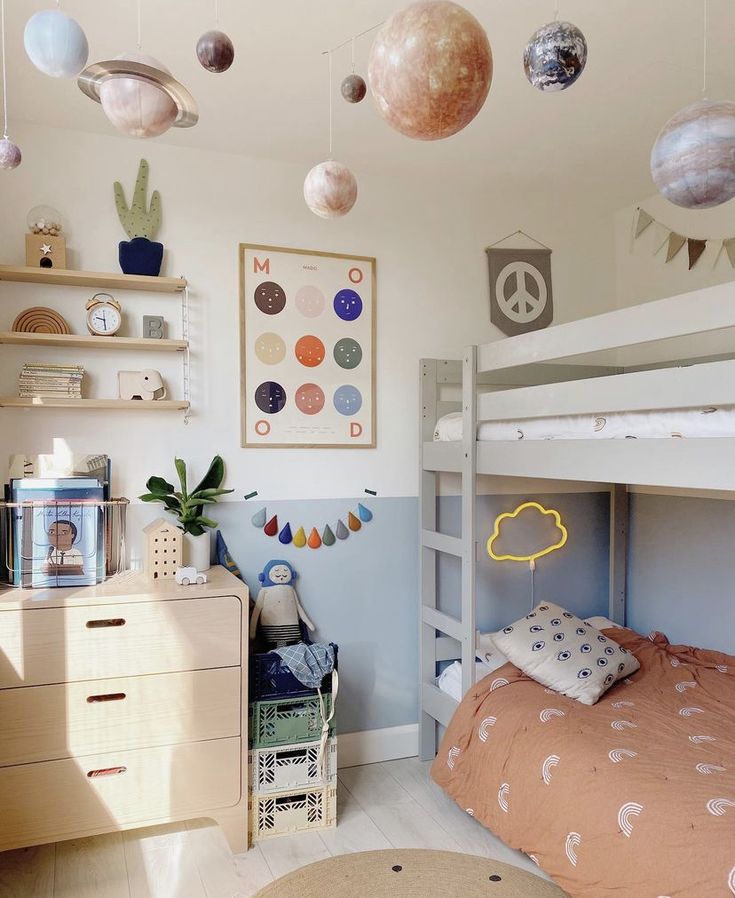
{"type": "Point", "coordinates": [633, 797]}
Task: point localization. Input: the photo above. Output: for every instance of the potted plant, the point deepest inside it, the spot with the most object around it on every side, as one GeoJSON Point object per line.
{"type": "Point", "coordinates": [140, 254]}
{"type": "Point", "coordinates": [189, 507]}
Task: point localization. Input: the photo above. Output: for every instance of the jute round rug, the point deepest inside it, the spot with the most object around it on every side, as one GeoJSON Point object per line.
{"type": "Point", "coordinates": [410, 873]}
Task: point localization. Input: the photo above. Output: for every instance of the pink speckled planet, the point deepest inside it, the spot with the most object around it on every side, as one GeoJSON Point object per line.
{"type": "Point", "coordinates": [330, 189]}
{"type": "Point", "coordinates": [10, 155]}
{"type": "Point", "coordinates": [430, 69]}
{"type": "Point", "coordinates": [135, 107]}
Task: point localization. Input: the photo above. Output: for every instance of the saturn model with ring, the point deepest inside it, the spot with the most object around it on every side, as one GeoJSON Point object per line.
{"type": "Point", "coordinates": [139, 95]}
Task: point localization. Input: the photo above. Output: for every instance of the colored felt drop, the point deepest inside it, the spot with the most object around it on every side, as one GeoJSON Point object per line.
{"type": "Point", "coordinates": [327, 536]}
{"type": "Point", "coordinates": [258, 518]}
{"type": "Point", "coordinates": [271, 528]}
{"type": "Point", "coordinates": [285, 535]}
{"type": "Point", "coordinates": [341, 531]}
{"type": "Point", "coordinates": [314, 539]}
{"type": "Point", "coordinates": [364, 513]}
{"type": "Point", "coordinates": [299, 539]}
{"type": "Point", "coordinates": [353, 522]}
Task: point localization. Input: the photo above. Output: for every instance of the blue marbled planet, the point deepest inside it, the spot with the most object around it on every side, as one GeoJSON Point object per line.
{"type": "Point", "coordinates": [693, 159]}
{"type": "Point", "coordinates": [555, 56]}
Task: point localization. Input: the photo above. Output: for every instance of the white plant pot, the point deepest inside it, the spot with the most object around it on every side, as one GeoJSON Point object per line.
{"type": "Point", "coordinates": [198, 551]}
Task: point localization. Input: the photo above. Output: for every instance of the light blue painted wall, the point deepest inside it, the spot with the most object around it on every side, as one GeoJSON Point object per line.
{"type": "Point", "coordinates": [361, 593]}
{"type": "Point", "coordinates": [680, 569]}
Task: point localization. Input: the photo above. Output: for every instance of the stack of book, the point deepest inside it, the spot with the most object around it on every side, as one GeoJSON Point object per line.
{"type": "Point", "coordinates": [51, 381]}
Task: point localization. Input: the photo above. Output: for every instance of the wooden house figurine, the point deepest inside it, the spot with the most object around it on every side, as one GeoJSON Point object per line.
{"type": "Point", "coordinates": [164, 551]}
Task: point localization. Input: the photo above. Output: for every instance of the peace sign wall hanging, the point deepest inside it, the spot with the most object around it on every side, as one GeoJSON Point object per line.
{"type": "Point", "coordinates": [521, 298]}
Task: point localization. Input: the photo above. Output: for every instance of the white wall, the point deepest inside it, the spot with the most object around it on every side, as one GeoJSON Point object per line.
{"type": "Point", "coordinates": [428, 237]}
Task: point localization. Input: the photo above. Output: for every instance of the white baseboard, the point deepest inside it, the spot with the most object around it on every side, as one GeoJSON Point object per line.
{"type": "Point", "coordinates": [373, 746]}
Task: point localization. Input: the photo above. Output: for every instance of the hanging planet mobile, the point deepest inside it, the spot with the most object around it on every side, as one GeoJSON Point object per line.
{"type": "Point", "coordinates": [430, 69]}
{"type": "Point", "coordinates": [353, 88]}
{"type": "Point", "coordinates": [215, 51]}
{"type": "Point", "coordinates": [330, 189]}
{"type": "Point", "coordinates": [693, 158]}
{"type": "Point", "coordinates": [555, 56]}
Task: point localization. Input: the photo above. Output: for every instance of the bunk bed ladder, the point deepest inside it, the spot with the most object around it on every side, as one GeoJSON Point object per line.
{"type": "Point", "coordinates": [434, 705]}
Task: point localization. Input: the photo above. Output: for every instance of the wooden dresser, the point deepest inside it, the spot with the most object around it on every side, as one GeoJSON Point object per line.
{"type": "Point", "coordinates": [123, 705]}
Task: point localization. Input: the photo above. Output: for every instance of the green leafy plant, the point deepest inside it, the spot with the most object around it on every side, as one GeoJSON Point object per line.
{"type": "Point", "coordinates": [189, 507]}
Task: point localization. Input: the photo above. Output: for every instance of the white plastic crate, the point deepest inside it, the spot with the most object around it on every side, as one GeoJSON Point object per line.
{"type": "Point", "coordinates": [279, 814]}
{"type": "Point", "coordinates": [290, 767]}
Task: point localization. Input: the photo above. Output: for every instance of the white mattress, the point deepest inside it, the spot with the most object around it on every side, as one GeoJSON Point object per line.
{"type": "Point", "coordinates": [679, 423]}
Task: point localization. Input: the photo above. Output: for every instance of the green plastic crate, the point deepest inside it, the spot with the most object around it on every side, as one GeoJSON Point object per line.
{"type": "Point", "coordinates": [284, 721]}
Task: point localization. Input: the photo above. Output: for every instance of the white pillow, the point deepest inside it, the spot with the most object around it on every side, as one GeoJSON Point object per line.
{"type": "Point", "coordinates": [602, 623]}
{"type": "Point", "coordinates": [487, 652]}
{"type": "Point", "coordinates": [562, 652]}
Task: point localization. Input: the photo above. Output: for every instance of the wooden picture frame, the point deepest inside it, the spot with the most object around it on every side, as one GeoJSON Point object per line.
{"type": "Point", "coordinates": [310, 299]}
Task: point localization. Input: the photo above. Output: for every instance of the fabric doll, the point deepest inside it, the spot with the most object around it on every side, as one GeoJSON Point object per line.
{"type": "Point", "coordinates": [277, 607]}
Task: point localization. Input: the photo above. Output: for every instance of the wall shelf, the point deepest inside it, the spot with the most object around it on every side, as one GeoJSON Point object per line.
{"type": "Point", "coordinates": [91, 404]}
{"type": "Point", "coordinates": [100, 279]}
{"type": "Point", "coordinates": [82, 341]}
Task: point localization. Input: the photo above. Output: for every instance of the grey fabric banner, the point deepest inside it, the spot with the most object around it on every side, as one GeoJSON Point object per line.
{"type": "Point", "coordinates": [521, 298]}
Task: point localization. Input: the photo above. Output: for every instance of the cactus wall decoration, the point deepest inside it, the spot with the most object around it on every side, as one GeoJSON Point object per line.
{"type": "Point", "coordinates": [140, 255]}
{"type": "Point", "coordinates": [136, 219]}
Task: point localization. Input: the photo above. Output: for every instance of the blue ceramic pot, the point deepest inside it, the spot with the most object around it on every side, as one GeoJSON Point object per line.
{"type": "Point", "coordinates": [141, 256]}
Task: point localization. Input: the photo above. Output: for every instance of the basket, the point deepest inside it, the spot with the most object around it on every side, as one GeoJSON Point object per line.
{"type": "Point", "coordinates": [286, 721]}
{"type": "Point", "coordinates": [293, 812]}
{"type": "Point", "coordinates": [291, 767]}
{"type": "Point", "coordinates": [61, 542]}
{"type": "Point", "coordinates": [270, 678]}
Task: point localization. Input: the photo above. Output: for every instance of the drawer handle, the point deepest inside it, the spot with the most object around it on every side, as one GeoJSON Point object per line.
{"type": "Point", "coordinates": [106, 771]}
{"type": "Point", "coordinates": [106, 622]}
{"type": "Point", "coordinates": [108, 697]}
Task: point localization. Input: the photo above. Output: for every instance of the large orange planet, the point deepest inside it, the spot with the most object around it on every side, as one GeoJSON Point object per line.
{"type": "Point", "coordinates": [430, 69]}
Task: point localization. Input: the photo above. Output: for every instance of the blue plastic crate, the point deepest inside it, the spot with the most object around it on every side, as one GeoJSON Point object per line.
{"type": "Point", "coordinates": [269, 678]}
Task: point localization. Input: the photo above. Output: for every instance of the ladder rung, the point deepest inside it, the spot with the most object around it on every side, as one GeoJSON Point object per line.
{"type": "Point", "coordinates": [440, 542]}
{"type": "Point", "coordinates": [442, 622]}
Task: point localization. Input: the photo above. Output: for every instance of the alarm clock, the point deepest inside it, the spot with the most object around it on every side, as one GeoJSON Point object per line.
{"type": "Point", "coordinates": [103, 315]}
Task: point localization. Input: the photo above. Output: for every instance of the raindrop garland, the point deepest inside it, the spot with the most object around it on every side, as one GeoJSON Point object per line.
{"type": "Point", "coordinates": [316, 539]}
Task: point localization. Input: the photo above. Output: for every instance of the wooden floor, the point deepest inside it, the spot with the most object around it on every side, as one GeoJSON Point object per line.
{"type": "Point", "coordinates": [393, 804]}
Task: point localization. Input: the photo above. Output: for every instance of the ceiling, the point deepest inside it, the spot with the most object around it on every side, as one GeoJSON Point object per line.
{"type": "Point", "coordinates": [645, 61]}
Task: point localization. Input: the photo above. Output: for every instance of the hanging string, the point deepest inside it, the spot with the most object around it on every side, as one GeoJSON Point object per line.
{"type": "Point", "coordinates": [216, 13]}
{"type": "Point", "coordinates": [704, 55]}
{"type": "Point", "coordinates": [556, 11]}
{"type": "Point", "coordinates": [5, 75]}
{"type": "Point", "coordinates": [532, 566]}
{"type": "Point", "coordinates": [140, 24]}
{"type": "Point", "coordinates": [353, 55]}
{"type": "Point", "coordinates": [354, 38]}
{"type": "Point", "coordinates": [331, 106]}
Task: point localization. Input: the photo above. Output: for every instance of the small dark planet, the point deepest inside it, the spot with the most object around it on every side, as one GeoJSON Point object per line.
{"type": "Point", "coordinates": [354, 88]}
{"type": "Point", "coordinates": [215, 51]}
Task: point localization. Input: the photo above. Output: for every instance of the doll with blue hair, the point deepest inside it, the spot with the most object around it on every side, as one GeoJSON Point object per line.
{"type": "Point", "coordinates": [277, 608]}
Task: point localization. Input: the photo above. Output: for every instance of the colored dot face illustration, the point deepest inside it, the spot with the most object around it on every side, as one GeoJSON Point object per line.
{"type": "Point", "coordinates": [347, 353]}
{"type": "Point", "coordinates": [270, 297]}
{"type": "Point", "coordinates": [310, 301]}
{"type": "Point", "coordinates": [309, 399]}
{"type": "Point", "coordinates": [348, 305]}
{"type": "Point", "coordinates": [310, 351]}
{"type": "Point", "coordinates": [270, 349]}
{"type": "Point", "coordinates": [270, 397]}
{"type": "Point", "coordinates": [347, 400]}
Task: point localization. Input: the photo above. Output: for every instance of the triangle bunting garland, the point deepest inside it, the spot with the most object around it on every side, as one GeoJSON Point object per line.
{"type": "Point", "coordinates": [696, 246]}
{"type": "Point", "coordinates": [328, 536]}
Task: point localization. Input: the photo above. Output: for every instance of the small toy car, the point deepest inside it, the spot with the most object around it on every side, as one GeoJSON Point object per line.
{"type": "Point", "coordinates": [186, 576]}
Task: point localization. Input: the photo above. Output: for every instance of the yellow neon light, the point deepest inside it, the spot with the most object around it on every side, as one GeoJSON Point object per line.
{"type": "Point", "coordinates": [514, 514]}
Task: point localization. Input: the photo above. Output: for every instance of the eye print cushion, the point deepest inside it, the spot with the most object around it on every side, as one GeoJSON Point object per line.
{"type": "Point", "coordinates": [560, 651]}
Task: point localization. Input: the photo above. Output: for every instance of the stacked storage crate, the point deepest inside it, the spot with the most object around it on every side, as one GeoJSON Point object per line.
{"type": "Point", "coordinates": [293, 783]}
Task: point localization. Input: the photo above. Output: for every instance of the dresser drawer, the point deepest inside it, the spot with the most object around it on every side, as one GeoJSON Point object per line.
{"type": "Point", "coordinates": [45, 723]}
{"type": "Point", "coordinates": [58, 645]}
{"type": "Point", "coordinates": [55, 800]}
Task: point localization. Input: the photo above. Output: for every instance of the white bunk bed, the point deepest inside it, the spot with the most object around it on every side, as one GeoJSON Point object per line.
{"type": "Point", "coordinates": [676, 353]}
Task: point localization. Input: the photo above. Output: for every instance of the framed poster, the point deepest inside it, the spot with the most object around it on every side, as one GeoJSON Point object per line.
{"type": "Point", "coordinates": [307, 348]}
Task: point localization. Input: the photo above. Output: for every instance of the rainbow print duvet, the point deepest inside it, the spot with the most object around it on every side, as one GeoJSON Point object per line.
{"type": "Point", "coordinates": [633, 797]}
